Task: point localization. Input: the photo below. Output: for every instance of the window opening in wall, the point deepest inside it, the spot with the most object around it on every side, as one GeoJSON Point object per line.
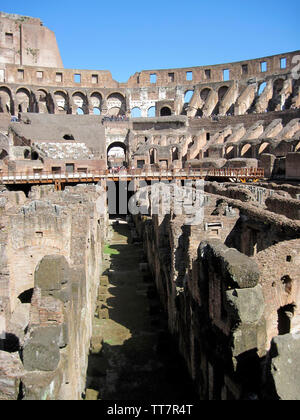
{"type": "Point", "coordinates": [68, 137]}
{"type": "Point", "coordinates": [263, 66]}
{"type": "Point", "coordinates": [21, 74]}
{"type": "Point", "coordinates": [26, 296]}
{"type": "Point", "coordinates": [136, 112]}
{"type": "Point", "coordinates": [188, 96]}
{"type": "Point", "coordinates": [288, 284]}
{"type": "Point", "coordinates": [151, 112]}
{"type": "Point", "coordinates": [189, 75]}
{"type": "Point", "coordinates": [95, 79]}
{"type": "Point", "coordinates": [262, 87]}
{"type": "Point", "coordinates": [245, 69]}
{"type": "Point", "coordinates": [207, 136]}
{"type": "Point", "coordinates": [56, 169]}
{"type": "Point", "coordinates": [79, 111]}
{"type": "Point", "coordinates": [70, 167]}
{"type": "Point", "coordinates": [59, 77]}
{"type": "Point", "coordinates": [171, 77]}
{"type": "Point", "coordinates": [153, 78]}
{"type": "Point", "coordinates": [283, 63]}
{"type": "Point", "coordinates": [207, 74]}
{"type": "Point", "coordinates": [96, 111]}
{"type": "Point", "coordinates": [226, 75]}
{"type": "Point", "coordinates": [9, 38]}
{"type": "Point", "coordinates": [140, 164]}
{"type": "Point", "coordinates": [77, 78]}
{"type": "Point", "coordinates": [285, 316]}
{"type": "Point", "coordinates": [39, 74]}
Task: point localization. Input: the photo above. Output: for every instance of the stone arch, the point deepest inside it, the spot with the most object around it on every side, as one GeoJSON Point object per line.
{"type": "Point", "coordinates": [79, 101]}
{"type": "Point", "coordinates": [229, 152]}
{"type": "Point", "coordinates": [116, 104]}
{"type": "Point", "coordinates": [222, 92]}
{"type": "Point", "coordinates": [114, 155]}
{"type": "Point", "coordinates": [275, 102]}
{"type": "Point", "coordinates": [152, 155]}
{"type": "Point", "coordinates": [3, 153]}
{"type": "Point", "coordinates": [136, 112]}
{"type": "Point", "coordinates": [151, 112]}
{"type": "Point", "coordinates": [175, 153]}
{"type": "Point", "coordinates": [264, 148]}
{"type": "Point", "coordinates": [205, 93]}
{"type": "Point", "coordinates": [44, 102]}
{"type": "Point", "coordinates": [96, 100]}
{"type": "Point", "coordinates": [23, 100]}
{"type": "Point", "coordinates": [246, 150]}
{"type": "Point", "coordinates": [188, 96]}
{"type": "Point", "coordinates": [165, 111]}
{"type": "Point", "coordinates": [79, 111]}
{"type": "Point", "coordinates": [62, 101]}
{"type": "Point", "coordinates": [6, 102]}
{"type": "Point", "coordinates": [261, 88]}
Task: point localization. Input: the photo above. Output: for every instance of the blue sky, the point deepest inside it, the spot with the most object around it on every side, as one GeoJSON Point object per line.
{"type": "Point", "coordinates": [129, 36]}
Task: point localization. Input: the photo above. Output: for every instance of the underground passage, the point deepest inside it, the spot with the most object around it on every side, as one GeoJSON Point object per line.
{"type": "Point", "coordinates": [132, 354]}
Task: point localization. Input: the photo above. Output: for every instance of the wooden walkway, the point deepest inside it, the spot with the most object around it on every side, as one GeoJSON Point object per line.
{"type": "Point", "coordinates": [42, 177]}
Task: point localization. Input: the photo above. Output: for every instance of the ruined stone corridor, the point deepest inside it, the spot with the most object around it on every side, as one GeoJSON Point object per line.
{"type": "Point", "coordinates": [132, 356]}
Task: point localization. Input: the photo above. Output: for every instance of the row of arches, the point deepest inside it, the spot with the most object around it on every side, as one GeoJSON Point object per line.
{"type": "Point", "coordinates": [60, 101]}
{"type": "Point", "coordinates": [249, 150]}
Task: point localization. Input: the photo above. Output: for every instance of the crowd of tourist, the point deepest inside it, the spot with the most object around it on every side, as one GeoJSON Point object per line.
{"type": "Point", "coordinates": [115, 118]}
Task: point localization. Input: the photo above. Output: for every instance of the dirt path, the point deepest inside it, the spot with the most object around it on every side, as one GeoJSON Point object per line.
{"type": "Point", "coordinates": [133, 355]}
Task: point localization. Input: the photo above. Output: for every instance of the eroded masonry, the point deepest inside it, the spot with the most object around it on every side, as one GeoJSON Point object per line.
{"type": "Point", "coordinates": [224, 290]}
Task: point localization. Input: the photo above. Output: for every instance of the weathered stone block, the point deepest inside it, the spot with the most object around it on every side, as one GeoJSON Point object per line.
{"type": "Point", "coordinates": [41, 351]}
{"type": "Point", "coordinates": [51, 273]}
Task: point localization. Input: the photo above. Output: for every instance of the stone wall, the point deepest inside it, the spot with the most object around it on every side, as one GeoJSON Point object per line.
{"type": "Point", "coordinates": [228, 295]}
{"type": "Point", "coordinates": [51, 256]}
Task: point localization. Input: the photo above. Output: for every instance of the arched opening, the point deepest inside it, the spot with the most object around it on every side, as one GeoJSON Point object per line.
{"type": "Point", "coordinates": [264, 148]}
{"type": "Point", "coordinates": [288, 284]}
{"type": "Point", "coordinates": [151, 112]}
{"type": "Point", "coordinates": [61, 100]}
{"type": "Point", "coordinates": [23, 100]}
{"type": "Point", "coordinates": [116, 104]}
{"type": "Point", "coordinates": [3, 154]}
{"type": "Point", "coordinates": [285, 316]}
{"type": "Point", "coordinates": [34, 156]}
{"type": "Point", "coordinates": [175, 154]}
{"type": "Point", "coordinates": [96, 102]}
{"type": "Point", "coordinates": [26, 296]}
{"type": "Point", "coordinates": [222, 92]}
{"type": "Point", "coordinates": [136, 112]}
{"type": "Point", "coordinates": [5, 101]}
{"type": "Point", "coordinates": [261, 88]}
{"type": "Point", "coordinates": [246, 151]}
{"type": "Point", "coordinates": [27, 154]}
{"type": "Point", "coordinates": [44, 105]}
{"type": "Point", "coordinates": [165, 111]}
{"type": "Point", "coordinates": [153, 156]}
{"type": "Point", "coordinates": [229, 152]}
{"type": "Point", "coordinates": [204, 94]}
{"type": "Point", "coordinates": [116, 155]}
{"type": "Point", "coordinates": [80, 103]}
{"type": "Point", "coordinates": [68, 137]}
{"type": "Point", "coordinates": [188, 96]}
{"type": "Point", "coordinates": [96, 111]}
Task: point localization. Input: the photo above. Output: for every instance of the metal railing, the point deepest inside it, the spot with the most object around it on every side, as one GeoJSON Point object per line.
{"type": "Point", "coordinates": [77, 176]}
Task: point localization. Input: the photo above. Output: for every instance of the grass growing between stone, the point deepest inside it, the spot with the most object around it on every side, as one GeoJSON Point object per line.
{"type": "Point", "coordinates": [110, 251]}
